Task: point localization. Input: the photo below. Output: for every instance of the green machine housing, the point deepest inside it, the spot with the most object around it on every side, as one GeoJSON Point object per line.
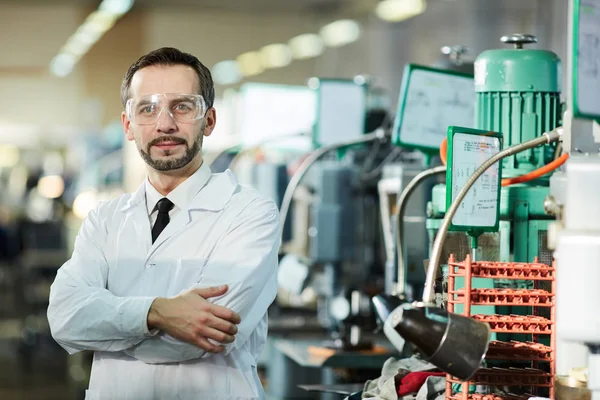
{"type": "Point", "coordinates": [518, 94]}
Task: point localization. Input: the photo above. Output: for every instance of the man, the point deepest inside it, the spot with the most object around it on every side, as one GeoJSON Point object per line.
{"type": "Point", "coordinates": [179, 313]}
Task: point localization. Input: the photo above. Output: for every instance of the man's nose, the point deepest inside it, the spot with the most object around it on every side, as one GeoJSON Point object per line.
{"type": "Point", "coordinates": [165, 122]}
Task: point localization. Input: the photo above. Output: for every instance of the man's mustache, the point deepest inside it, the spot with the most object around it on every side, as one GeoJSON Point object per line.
{"type": "Point", "coordinates": [171, 139]}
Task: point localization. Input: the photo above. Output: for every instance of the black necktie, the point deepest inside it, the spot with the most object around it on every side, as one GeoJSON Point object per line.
{"type": "Point", "coordinates": [164, 205]}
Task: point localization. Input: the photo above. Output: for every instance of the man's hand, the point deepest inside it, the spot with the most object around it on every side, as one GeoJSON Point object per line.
{"type": "Point", "coordinates": [189, 317]}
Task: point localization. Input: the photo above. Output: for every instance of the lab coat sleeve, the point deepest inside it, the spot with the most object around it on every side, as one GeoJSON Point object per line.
{"type": "Point", "coordinates": [82, 313]}
{"type": "Point", "coordinates": [246, 260]}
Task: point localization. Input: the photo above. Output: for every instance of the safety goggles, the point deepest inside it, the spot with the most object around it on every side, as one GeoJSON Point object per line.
{"type": "Point", "coordinates": [147, 110]}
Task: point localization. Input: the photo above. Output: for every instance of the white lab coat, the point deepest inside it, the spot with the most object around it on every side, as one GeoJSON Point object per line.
{"type": "Point", "coordinates": [101, 296]}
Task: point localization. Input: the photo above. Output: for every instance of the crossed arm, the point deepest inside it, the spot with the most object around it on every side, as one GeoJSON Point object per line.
{"type": "Point", "coordinates": [84, 315]}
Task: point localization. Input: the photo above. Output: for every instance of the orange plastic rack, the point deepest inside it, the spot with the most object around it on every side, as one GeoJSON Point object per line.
{"type": "Point", "coordinates": [517, 323]}
{"type": "Point", "coordinates": [519, 351]}
{"type": "Point", "coordinates": [534, 325]}
{"type": "Point", "coordinates": [507, 297]}
{"type": "Point", "coordinates": [504, 270]}
{"type": "Point", "coordinates": [476, 396]}
{"type": "Point", "coordinates": [509, 377]}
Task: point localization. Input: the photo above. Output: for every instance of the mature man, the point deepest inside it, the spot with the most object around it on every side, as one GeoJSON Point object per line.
{"type": "Point", "coordinates": [170, 285]}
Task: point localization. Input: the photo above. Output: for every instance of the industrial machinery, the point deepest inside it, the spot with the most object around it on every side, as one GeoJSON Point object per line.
{"type": "Point", "coordinates": [339, 206]}
{"type": "Point", "coordinates": [518, 96]}
{"type": "Point", "coordinates": [333, 249]}
{"type": "Point", "coordinates": [332, 262]}
{"type": "Point", "coordinates": [497, 206]}
{"type": "Point", "coordinates": [517, 101]}
{"type": "Point", "coordinates": [494, 202]}
{"type": "Point", "coordinates": [430, 100]}
{"type": "Point", "coordinates": [335, 246]}
{"type": "Point", "coordinates": [457, 345]}
{"type": "Point", "coordinates": [395, 178]}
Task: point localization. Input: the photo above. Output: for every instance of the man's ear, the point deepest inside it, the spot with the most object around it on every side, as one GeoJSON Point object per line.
{"type": "Point", "coordinates": [126, 123]}
{"type": "Point", "coordinates": [211, 121]}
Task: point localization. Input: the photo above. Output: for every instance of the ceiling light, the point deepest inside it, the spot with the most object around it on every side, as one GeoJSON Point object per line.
{"type": "Point", "coordinates": [87, 34]}
{"type": "Point", "coordinates": [306, 46]}
{"type": "Point", "coordinates": [84, 38]}
{"type": "Point", "coordinates": [340, 33]}
{"type": "Point", "coordinates": [99, 21]}
{"type": "Point", "coordinates": [77, 46]}
{"type": "Point", "coordinates": [51, 186]}
{"type": "Point", "coordinates": [63, 64]}
{"type": "Point", "coordinates": [399, 10]}
{"type": "Point", "coordinates": [275, 55]}
{"type": "Point", "coordinates": [226, 72]}
{"type": "Point", "coordinates": [117, 7]}
{"type": "Point", "coordinates": [249, 63]}
{"type": "Point", "coordinates": [95, 25]}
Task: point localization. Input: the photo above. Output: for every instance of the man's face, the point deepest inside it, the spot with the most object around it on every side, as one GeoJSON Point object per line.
{"type": "Point", "coordinates": [167, 144]}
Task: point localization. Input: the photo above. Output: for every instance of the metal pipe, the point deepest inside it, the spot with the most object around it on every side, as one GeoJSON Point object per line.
{"type": "Point", "coordinates": [436, 252]}
{"type": "Point", "coordinates": [288, 196]}
{"type": "Point", "coordinates": [400, 208]}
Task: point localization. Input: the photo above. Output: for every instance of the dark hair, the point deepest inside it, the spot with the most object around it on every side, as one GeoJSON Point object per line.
{"type": "Point", "coordinates": [167, 56]}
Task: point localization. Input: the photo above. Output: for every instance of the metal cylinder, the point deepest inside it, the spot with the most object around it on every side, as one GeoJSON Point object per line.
{"type": "Point", "coordinates": [578, 257]}
{"type": "Point", "coordinates": [582, 194]}
{"type": "Point", "coordinates": [518, 94]}
{"type": "Point", "coordinates": [577, 294]}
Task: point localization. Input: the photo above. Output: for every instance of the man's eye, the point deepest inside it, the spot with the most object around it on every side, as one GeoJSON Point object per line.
{"type": "Point", "coordinates": [146, 110]}
{"type": "Point", "coordinates": [183, 107]}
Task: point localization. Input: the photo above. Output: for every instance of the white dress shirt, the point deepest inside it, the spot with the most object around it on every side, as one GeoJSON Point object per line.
{"type": "Point", "coordinates": [219, 233]}
{"type": "Point", "coordinates": [152, 198]}
{"type": "Point", "coordinates": [180, 196]}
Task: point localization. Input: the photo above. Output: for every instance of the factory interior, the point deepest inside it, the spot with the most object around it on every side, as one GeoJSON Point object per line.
{"type": "Point", "coordinates": [433, 162]}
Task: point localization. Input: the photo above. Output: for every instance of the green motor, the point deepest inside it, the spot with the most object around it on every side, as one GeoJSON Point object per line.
{"type": "Point", "coordinates": [518, 94]}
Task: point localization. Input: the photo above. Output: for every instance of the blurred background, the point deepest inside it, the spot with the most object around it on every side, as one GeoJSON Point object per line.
{"type": "Point", "coordinates": [61, 142]}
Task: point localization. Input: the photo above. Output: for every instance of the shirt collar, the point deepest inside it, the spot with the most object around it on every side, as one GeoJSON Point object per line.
{"type": "Point", "coordinates": [212, 196]}
{"type": "Point", "coordinates": [183, 194]}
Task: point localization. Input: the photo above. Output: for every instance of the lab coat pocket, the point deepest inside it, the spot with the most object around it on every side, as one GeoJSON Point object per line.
{"type": "Point", "coordinates": [188, 272]}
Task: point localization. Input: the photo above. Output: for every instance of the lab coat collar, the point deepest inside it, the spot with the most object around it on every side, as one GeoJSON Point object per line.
{"type": "Point", "coordinates": [216, 193]}
{"type": "Point", "coordinates": [213, 194]}
{"type": "Point", "coordinates": [212, 197]}
{"type": "Point", "coordinates": [183, 194]}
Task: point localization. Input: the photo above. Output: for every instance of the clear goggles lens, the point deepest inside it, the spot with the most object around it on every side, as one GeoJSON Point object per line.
{"type": "Point", "coordinates": [181, 107]}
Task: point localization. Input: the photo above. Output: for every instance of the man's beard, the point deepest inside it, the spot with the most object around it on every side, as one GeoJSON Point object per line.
{"type": "Point", "coordinates": [173, 163]}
